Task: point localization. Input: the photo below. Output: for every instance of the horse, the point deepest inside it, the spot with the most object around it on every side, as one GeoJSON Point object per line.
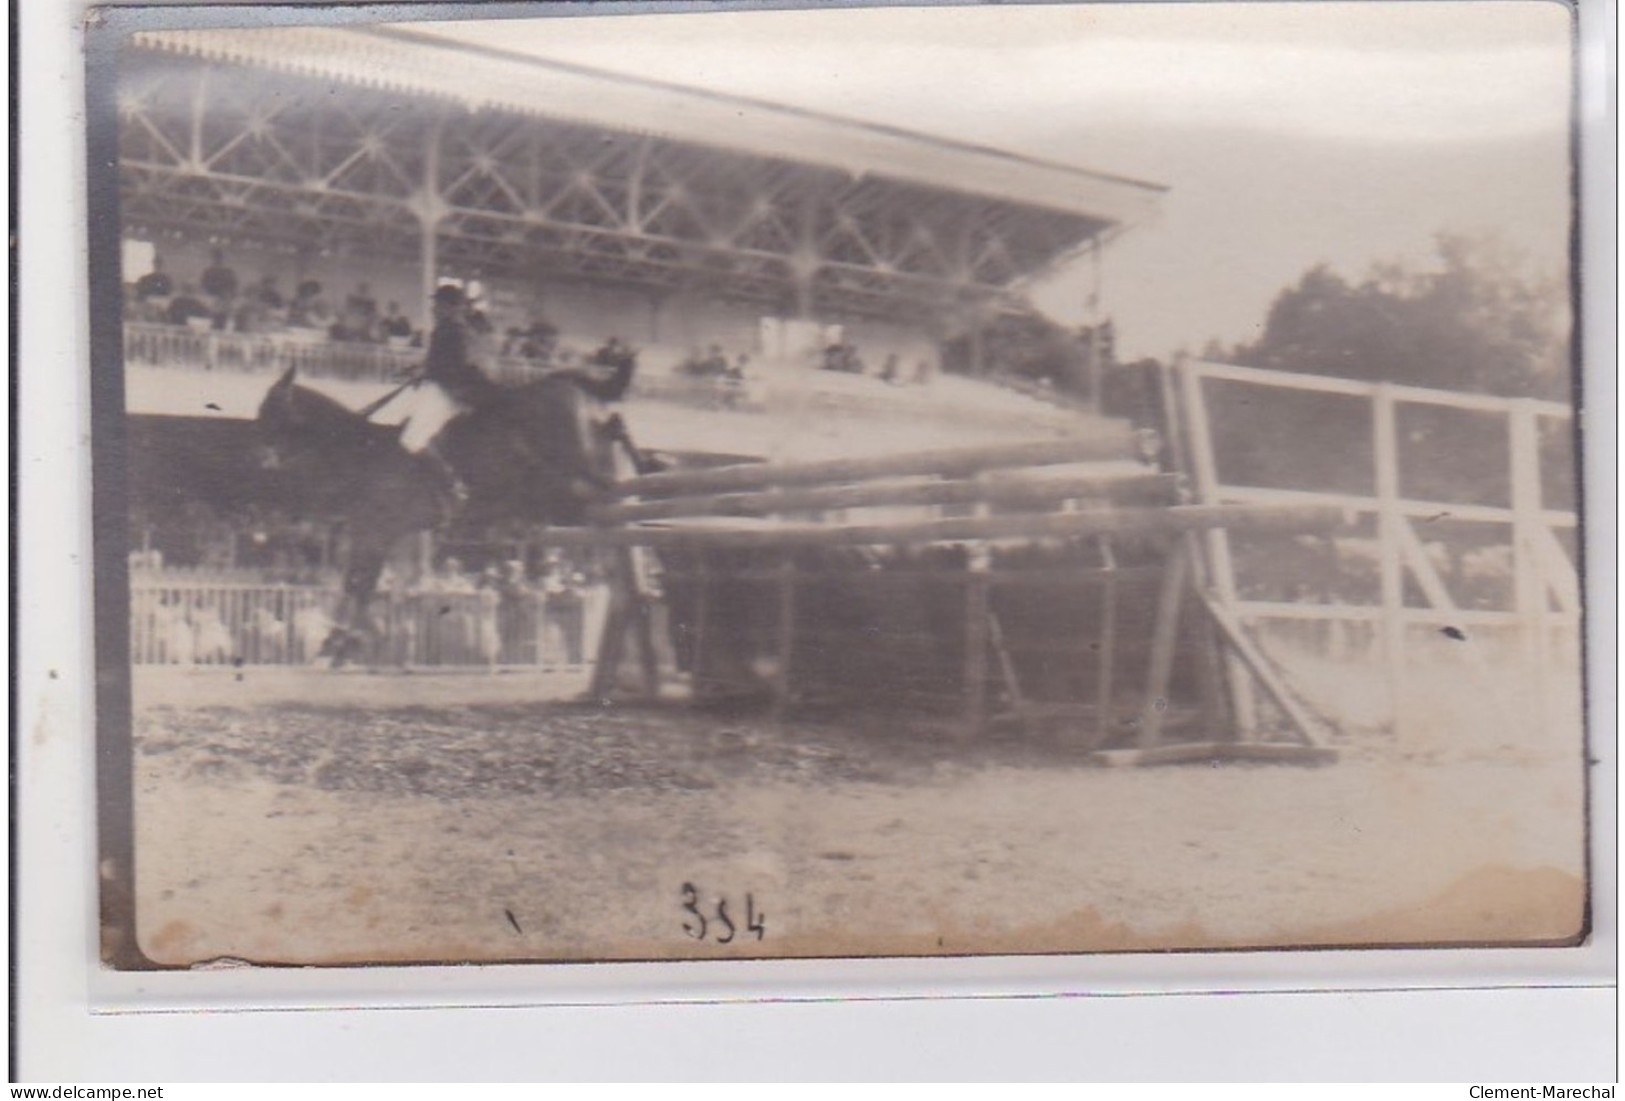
{"type": "Point", "coordinates": [532, 453]}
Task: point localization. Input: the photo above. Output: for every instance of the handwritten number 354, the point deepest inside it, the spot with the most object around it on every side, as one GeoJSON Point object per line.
{"type": "Point", "coordinates": [696, 924]}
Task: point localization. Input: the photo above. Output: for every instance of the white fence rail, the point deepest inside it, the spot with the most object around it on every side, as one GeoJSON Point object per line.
{"type": "Point", "coordinates": [189, 621]}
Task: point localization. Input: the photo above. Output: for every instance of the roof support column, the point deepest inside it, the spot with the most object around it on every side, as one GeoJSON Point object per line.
{"type": "Point", "coordinates": [804, 267]}
{"type": "Point", "coordinates": [1091, 310]}
{"type": "Point", "coordinates": [430, 209]}
{"type": "Point", "coordinates": [200, 107]}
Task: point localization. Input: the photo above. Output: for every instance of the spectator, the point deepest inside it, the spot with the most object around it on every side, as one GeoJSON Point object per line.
{"type": "Point", "coordinates": [156, 283]}
{"type": "Point", "coordinates": [186, 306]}
{"type": "Point", "coordinates": [267, 295]}
{"type": "Point", "coordinates": [219, 282]}
{"type": "Point", "coordinates": [251, 316]}
{"type": "Point", "coordinates": [395, 325]}
{"type": "Point", "coordinates": [563, 604]}
{"type": "Point", "coordinates": [309, 310]}
{"type": "Point", "coordinates": [361, 314]}
{"type": "Point", "coordinates": [890, 369]}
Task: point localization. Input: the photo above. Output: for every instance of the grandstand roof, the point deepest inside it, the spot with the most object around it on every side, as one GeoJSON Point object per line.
{"type": "Point", "coordinates": [447, 61]}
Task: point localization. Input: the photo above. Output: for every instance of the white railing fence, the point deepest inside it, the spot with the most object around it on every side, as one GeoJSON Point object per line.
{"type": "Point", "coordinates": [1396, 590]}
{"type": "Point", "coordinates": [197, 621]}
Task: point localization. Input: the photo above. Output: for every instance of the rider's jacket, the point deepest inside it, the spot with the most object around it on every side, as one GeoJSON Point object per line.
{"type": "Point", "coordinates": [449, 361]}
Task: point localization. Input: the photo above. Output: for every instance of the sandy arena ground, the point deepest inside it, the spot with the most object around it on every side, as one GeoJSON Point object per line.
{"type": "Point", "coordinates": [312, 817]}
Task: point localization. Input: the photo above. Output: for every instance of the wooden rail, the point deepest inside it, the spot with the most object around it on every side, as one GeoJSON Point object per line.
{"type": "Point", "coordinates": [1105, 521]}
{"type": "Point", "coordinates": [1011, 490]}
{"type": "Point", "coordinates": [945, 463]}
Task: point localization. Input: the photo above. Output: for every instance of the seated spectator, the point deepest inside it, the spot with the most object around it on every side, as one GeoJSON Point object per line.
{"type": "Point", "coordinates": [185, 306]}
{"type": "Point", "coordinates": [395, 325]}
{"type": "Point", "coordinates": [251, 315]}
{"type": "Point", "coordinates": [361, 302]}
{"type": "Point", "coordinates": [219, 281]}
{"type": "Point", "coordinates": [361, 314]}
{"type": "Point", "coordinates": [309, 310]}
{"type": "Point", "coordinates": [156, 283]}
{"type": "Point", "coordinates": [716, 362]}
{"type": "Point", "coordinates": [266, 293]}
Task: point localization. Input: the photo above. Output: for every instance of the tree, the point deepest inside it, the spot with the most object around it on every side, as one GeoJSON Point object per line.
{"type": "Point", "coordinates": [1475, 322]}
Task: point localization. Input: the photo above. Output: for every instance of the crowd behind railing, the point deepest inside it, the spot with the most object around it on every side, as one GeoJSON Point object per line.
{"type": "Point", "coordinates": [221, 321]}
{"type": "Point", "coordinates": [498, 617]}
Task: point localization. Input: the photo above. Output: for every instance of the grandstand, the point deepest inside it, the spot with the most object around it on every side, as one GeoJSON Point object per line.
{"type": "Point", "coordinates": [340, 173]}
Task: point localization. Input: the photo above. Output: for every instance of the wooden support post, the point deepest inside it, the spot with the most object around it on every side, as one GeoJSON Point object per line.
{"type": "Point", "coordinates": [1217, 716]}
{"type": "Point", "coordinates": [1105, 668]}
{"type": "Point", "coordinates": [612, 645]}
{"type": "Point", "coordinates": [1528, 585]}
{"type": "Point", "coordinates": [1302, 722]}
{"type": "Point", "coordinates": [702, 626]}
{"type": "Point", "coordinates": [1385, 452]}
{"type": "Point", "coordinates": [782, 684]}
{"type": "Point", "coordinates": [643, 633]}
{"type": "Point", "coordinates": [1164, 641]}
{"type": "Point", "coordinates": [1007, 670]}
{"type": "Point", "coordinates": [976, 643]}
{"type": "Point", "coordinates": [1221, 566]}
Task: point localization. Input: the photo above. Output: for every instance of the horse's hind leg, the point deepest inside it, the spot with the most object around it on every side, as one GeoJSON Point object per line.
{"type": "Point", "coordinates": [354, 636]}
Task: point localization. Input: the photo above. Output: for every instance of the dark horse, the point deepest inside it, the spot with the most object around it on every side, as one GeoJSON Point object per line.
{"type": "Point", "coordinates": [530, 454]}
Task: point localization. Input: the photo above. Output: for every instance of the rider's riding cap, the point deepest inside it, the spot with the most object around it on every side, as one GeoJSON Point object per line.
{"type": "Point", "coordinates": [449, 294]}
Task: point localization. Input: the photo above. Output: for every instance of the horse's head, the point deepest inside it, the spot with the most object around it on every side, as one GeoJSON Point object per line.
{"type": "Point", "coordinates": [297, 423]}
{"type": "Point", "coordinates": [277, 420]}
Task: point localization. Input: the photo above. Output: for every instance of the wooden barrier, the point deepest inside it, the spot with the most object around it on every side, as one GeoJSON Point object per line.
{"type": "Point", "coordinates": [727, 526]}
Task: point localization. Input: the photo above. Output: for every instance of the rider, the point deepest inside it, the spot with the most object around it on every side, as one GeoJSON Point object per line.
{"type": "Point", "coordinates": [451, 383]}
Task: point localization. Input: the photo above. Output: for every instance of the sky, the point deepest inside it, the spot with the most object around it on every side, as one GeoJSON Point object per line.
{"type": "Point", "coordinates": [1289, 134]}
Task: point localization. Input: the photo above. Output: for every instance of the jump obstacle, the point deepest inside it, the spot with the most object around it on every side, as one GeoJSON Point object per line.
{"type": "Point", "coordinates": [1128, 553]}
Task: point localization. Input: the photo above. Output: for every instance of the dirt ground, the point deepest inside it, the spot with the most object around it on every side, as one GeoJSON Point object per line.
{"type": "Point", "coordinates": [301, 816]}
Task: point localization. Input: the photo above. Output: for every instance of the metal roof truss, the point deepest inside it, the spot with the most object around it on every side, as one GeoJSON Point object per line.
{"type": "Point", "coordinates": [308, 165]}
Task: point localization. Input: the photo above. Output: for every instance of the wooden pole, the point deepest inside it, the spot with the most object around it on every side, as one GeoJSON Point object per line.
{"type": "Point", "coordinates": [1164, 639]}
{"type": "Point", "coordinates": [702, 626]}
{"type": "Point", "coordinates": [1012, 489]}
{"type": "Point", "coordinates": [946, 462]}
{"type": "Point", "coordinates": [1302, 722]}
{"type": "Point", "coordinates": [1390, 546]}
{"type": "Point", "coordinates": [976, 644]}
{"type": "Point", "coordinates": [1529, 586]}
{"type": "Point", "coordinates": [782, 684]}
{"type": "Point", "coordinates": [1102, 521]}
{"type": "Point", "coordinates": [612, 644]}
{"type": "Point", "coordinates": [1108, 647]}
{"type": "Point", "coordinates": [1221, 565]}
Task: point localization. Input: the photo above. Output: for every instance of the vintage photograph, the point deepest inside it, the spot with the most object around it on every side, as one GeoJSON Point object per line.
{"type": "Point", "coordinates": [937, 481]}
